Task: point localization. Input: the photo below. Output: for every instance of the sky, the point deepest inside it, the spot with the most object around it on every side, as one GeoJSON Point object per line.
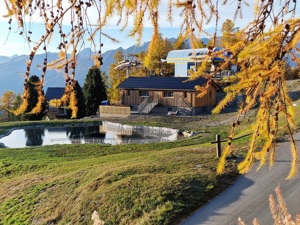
{"type": "Point", "coordinates": [11, 43]}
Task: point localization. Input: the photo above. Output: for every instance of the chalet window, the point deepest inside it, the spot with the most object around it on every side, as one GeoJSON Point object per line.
{"type": "Point", "coordinates": [168, 94]}
{"type": "Point", "coordinates": [128, 93]}
{"type": "Point", "coordinates": [184, 94]}
{"type": "Point", "coordinates": [144, 93]}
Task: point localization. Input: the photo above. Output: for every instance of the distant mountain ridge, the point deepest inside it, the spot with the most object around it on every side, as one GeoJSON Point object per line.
{"type": "Point", "coordinates": [12, 68]}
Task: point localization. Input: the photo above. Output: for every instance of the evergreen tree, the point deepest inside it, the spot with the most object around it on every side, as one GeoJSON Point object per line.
{"type": "Point", "coordinates": [33, 83]}
{"type": "Point", "coordinates": [94, 91]}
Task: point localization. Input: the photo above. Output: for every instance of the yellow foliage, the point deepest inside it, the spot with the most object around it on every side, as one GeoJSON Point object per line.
{"type": "Point", "coordinates": [24, 104]}
{"type": "Point", "coordinates": [294, 165]}
{"type": "Point", "coordinates": [96, 60]}
{"type": "Point", "coordinates": [73, 104]}
{"type": "Point", "coordinates": [221, 164]}
{"type": "Point", "coordinates": [279, 211]}
{"type": "Point", "coordinates": [55, 103]}
{"type": "Point", "coordinates": [41, 100]}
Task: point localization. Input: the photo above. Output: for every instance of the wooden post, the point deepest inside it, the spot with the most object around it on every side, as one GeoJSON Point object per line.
{"type": "Point", "coordinates": [218, 145]}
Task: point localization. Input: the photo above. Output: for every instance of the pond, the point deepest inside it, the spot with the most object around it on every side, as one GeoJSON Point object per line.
{"type": "Point", "coordinates": [107, 133]}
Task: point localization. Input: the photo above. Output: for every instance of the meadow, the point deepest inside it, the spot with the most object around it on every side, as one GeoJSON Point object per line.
{"type": "Point", "coordinates": [157, 183]}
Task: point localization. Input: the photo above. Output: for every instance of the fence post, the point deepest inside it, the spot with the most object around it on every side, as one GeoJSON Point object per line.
{"type": "Point", "coordinates": [218, 145]}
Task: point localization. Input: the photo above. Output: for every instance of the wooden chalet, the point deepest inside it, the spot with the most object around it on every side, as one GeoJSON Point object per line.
{"type": "Point", "coordinates": [55, 93]}
{"type": "Point", "coordinates": [167, 95]}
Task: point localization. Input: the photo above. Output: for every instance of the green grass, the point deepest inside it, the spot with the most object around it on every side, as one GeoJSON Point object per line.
{"type": "Point", "coordinates": [127, 184]}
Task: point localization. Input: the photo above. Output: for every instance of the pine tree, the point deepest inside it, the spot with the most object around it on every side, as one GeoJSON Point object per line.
{"type": "Point", "coordinates": [94, 91]}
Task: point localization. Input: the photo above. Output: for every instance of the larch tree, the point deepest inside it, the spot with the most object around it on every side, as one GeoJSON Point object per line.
{"type": "Point", "coordinates": [94, 91]}
{"type": "Point", "coordinates": [6, 102]}
{"type": "Point", "coordinates": [229, 31]}
{"type": "Point", "coordinates": [15, 105]}
{"type": "Point", "coordinates": [105, 80]}
{"type": "Point", "coordinates": [31, 111]}
{"type": "Point", "coordinates": [80, 102]}
{"type": "Point", "coordinates": [153, 58]}
{"type": "Point", "coordinates": [271, 35]}
{"type": "Point", "coordinates": [115, 77]}
{"type": "Point", "coordinates": [182, 43]}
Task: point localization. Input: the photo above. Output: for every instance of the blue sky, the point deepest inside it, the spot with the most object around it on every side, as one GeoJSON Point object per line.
{"type": "Point", "coordinates": [12, 43]}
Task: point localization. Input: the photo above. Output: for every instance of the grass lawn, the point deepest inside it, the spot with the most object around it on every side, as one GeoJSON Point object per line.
{"type": "Point", "coordinates": [126, 184]}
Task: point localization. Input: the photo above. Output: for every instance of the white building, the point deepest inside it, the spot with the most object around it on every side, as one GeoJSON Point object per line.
{"type": "Point", "coordinates": [187, 59]}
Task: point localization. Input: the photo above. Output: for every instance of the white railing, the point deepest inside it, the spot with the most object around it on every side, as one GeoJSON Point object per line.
{"type": "Point", "coordinates": [115, 141]}
{"type": "Point", "coordinates": [143, 104]}
{"type": "Point", "coordinates": [149, 106]}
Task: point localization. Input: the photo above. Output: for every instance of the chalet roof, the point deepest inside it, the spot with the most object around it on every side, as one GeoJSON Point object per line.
{"type": "Point", "coordinates": [54, 93]}
{"type": "Point", "coordinates": [161, 83]}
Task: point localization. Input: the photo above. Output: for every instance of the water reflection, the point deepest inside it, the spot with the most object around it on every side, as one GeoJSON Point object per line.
{"type": "Point", "coordinates": [108, 134]}
{"type": "Point", "coordinates": [34, 136]}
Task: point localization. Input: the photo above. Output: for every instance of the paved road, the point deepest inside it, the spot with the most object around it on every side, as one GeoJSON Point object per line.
{"type": "Point", "coordinates": [248, 197]}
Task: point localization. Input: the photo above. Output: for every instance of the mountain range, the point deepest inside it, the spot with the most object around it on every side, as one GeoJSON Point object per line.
{"type": "Point", "coordinates": [12, 68]}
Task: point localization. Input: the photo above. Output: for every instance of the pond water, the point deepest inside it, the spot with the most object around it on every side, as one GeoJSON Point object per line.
{"type": "Point", "coordinates": [39, 136]}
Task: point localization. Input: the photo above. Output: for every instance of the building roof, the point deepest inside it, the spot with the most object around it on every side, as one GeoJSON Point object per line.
{"type": "Point", "coordinates": [161, 83]}
{"type": "Point", "coordinates": [54, 93]}
{"type": "Point", "coordinates": [186, 54]}
{"type": "Point", "coordinates": [189, 55]}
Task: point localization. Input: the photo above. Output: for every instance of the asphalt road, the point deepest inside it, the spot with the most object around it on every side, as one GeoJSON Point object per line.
{"type": "Point", "coordinates": [248, 197]}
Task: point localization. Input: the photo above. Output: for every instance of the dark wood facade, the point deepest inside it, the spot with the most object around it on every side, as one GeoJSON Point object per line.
{"type": "Point", "coordinates": [170, 97]}
{"type": "Point", "coordinates": [164, 94]}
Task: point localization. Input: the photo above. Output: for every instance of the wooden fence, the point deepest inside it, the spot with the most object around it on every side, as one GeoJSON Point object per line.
{"type": "Point", "coordinates": [114, 111]}
{"type": "Point", "coordinates": [219, 141]}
